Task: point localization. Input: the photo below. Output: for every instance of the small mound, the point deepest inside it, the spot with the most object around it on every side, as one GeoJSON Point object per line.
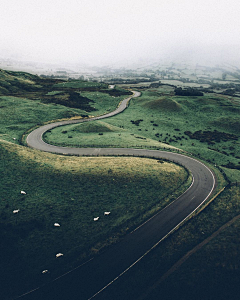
{"type": "Point", "coordinates": [163, 104]}
{"type": "Point", "coordinates": [96, 126]}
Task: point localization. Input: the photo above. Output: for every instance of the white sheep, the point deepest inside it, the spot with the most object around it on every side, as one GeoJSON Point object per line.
{"type": "Point", "coordinates": [16, 211]}
{"type": "Point", "coordinates": [106, 213]}
{"type": "Point", "coordinates": [56, 224]}
{"type": "Point", "coordinates": [96, 219]}
{"type": "Point", "coordinates": [59, 254]}
{"type": "Point", "coordinates": [23, 193]}
{"type": "Point", "coordinates": [44, 271]}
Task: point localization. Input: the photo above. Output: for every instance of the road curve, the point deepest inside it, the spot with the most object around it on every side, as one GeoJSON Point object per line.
{"type": "Point", "coordinates": [34, 139]}
{"type": "Point", "coordinates": [90, 280]}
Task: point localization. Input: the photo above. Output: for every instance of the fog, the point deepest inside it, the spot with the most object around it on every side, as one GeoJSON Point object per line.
{"type": "Point", "coordinates": [104, 32]}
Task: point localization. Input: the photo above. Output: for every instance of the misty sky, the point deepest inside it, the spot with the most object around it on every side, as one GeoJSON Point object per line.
{"type": "Point", "coordinates": [102, 31]}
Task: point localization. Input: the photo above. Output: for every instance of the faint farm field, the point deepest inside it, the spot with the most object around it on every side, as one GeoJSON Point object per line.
{"type": "Point", "coordinates": [184, 84]}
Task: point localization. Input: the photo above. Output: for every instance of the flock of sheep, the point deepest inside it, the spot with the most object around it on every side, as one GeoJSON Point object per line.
{"type": "Point", "coordinates": [106, 213]}
{"type": "Point", "coordinates": [15, 211]}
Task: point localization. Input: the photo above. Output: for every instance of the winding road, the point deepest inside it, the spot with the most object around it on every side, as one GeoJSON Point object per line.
{"type": "Point", "coordinates": [92, 279]}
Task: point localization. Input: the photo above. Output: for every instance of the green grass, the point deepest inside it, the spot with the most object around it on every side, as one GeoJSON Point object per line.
{"type": "Point", "coordinates": [80, 84]}
{"type": "Point", "coordinates": [157, 119]}
{"type": "Point", "coordinates": [53, 93]}
{"type": "Point", "coordinates": [214, 267]}
{"type": "Point", "coordinates": [211, 273]}
{"type": "Point", "coordinates": [17, 115]}
{"type": "Point", "coordinates": [164, 119]}
{"type": "Point", "coordinates": [103, 101]}
{"type": "Point", "coordinates": [14, 82]}
{"type": "Point", "coordinates": [99, 134]}
{"type": "Point", "coordinates": [163, 104]}
{"type": "Point", "coordinates": [85, 95]}
{"type": "Point", "coordinates": [71, 191]}
{"type": "Point", "coordinates": [232, 174]}
{"type": "Point", "coordinates": [89, 127]}
{"type": "Point", "coordinates": [174, 116]}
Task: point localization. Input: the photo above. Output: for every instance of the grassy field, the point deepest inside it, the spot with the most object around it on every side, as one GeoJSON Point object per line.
{"type": "Point", "coordinates": [104, 102]}
{"type": "Point", "coordinates": [169, 118]}
{"type": "Point", "coordinates": [212, 272]}
{"type": "Point", "coordinates": [17, 115]}
{"type": "Point", "coordinates": [80, 84]}
{"type": "Point", "coordinates": [29, 240]}
{"type": "Point", "coordinates": [100, 134]}
{"type": "Point", "coordinates": [20, 113]}
{"type": "Point", "coordinates": [208, 127]}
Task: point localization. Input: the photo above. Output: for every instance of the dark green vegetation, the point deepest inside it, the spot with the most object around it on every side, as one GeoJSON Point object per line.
{"type": "Point", "coordinates": [100, 134]}
{"type": "Point", "coordinates": [56, 91]}
{"type": "Point", "coordinates": [27, 101]}
{"type": "Point", "coordinates": [187, 92]}
{"type": "Point", "coordinates": [29, 240]}
{"type": "Point", "coordinates": [212, 272]}
{"type": "Point", "coordinates": [189, 123]}
{"type": "Point", "coordinates": [72, 192]}
{"type": "Point", "coordinates": [206, 126]}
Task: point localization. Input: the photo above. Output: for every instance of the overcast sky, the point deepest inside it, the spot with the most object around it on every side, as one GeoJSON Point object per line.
{"type": "Point", "coordinates": [102, 31]}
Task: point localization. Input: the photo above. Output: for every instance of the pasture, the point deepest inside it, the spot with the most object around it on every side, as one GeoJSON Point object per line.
{"type": "Point", "coordinates": [192, 263]}
{"type": "Point", "coordinates": [72, 191]}
{"type": "Point", "coordinates": [205, 127]}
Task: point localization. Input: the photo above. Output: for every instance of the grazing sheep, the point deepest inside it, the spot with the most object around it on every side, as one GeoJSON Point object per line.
{"type": "Point", "coordinates": [16, 211]}
{"type": "Point", "coordinates": [59, 254]}
{"type": "Point", "coordinates": [44, 271]}
{"type": "Point", "coordinates": [56, 224]}
{"type": "Point", "coordinates": [96, 219]}
{"type": "Point", "coordinates": [106, 213]}
{"type": "Point", "coordinates": [23, 193]}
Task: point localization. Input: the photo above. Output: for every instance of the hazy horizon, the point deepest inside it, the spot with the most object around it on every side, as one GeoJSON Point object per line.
{"type": "Point", "coordinates": [99, 32]}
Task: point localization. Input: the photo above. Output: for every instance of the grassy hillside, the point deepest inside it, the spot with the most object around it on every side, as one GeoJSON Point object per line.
{"type": "Point", "coordinates": [71, 191]}
{"type": "Point", "coordinates": [15, 82]}
{"type": "Point", "coordinates": [205, 126]}
{"type": "Point", "coordinates": [208, 127]}
{"type": "Point", "coordinates": [194, 127]}
{"type": "Point", "coordinates": [163, 104]}
{"type": "Point", "coordinates": [27, 101]}
{"type": "Point", "coordinates": [100, 134]}
{"type": "Point", "coordinates": [211, 272]}
{"type": "Point", "coordinates": [18, 114]}
{"type": "Point", "coordinates": [74, 94]}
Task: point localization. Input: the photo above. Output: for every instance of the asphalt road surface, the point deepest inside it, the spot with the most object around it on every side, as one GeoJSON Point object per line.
{"type": "Point", "coordinates": [92, 280]}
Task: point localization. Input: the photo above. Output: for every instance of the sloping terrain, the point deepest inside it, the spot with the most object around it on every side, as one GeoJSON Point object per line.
{"type": "Point", "coordinates": [97, 126]}
{"type": "Point", "coordinates": [163, 104]}
{"type": "Point", "coordinates": [57, 91]}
